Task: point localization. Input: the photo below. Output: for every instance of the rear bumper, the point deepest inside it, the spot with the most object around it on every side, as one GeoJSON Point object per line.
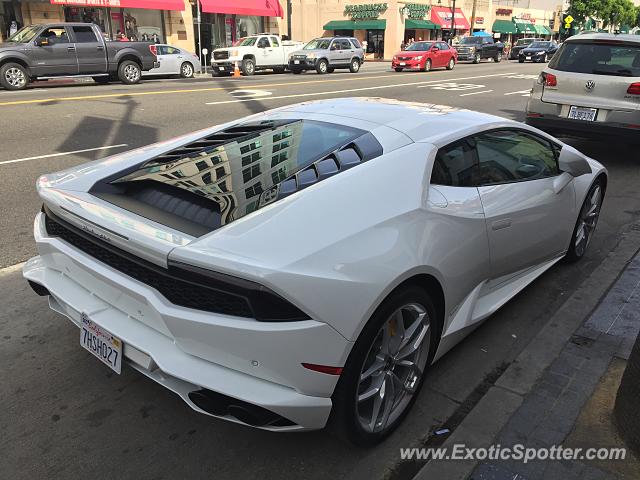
{"type": "Point", "coordinates": [186, 350]}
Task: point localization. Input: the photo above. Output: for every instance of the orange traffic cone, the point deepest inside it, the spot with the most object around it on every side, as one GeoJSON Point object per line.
{"type": "Point", "coordinates": [236, 70]}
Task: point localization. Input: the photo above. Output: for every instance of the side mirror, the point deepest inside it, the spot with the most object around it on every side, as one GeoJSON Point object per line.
{"type": "Point", "coordinates": [42, 42]}
{"type": "Point", "coordinates": [573, 162]}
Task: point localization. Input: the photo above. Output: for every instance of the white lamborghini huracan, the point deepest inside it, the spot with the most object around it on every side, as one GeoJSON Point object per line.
{"type": "Point", "coordinates": [309, 263]}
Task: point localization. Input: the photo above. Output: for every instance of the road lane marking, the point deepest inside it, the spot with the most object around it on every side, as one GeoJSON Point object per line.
{"type": "Point", "coordinates": [212, 89]}
{"type": "Point", "coordinates": [528, 91]}
{"type": "Point", "coordinates": [453, 87]}
{"type": "Point", "coordinates": [107, 147]}
{"type": "Point", "coordinates": [250, 93]}
{"type": "Point", "coordinates": [474, 93]}
{"type": "Point", "coordinates": [349, 90]}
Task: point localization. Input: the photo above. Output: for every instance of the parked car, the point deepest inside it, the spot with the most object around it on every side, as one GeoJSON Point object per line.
{"type": "Point", "coordinates": [253, 53]}
{"type": "Point", "coordinates": [70, 50]}
{"type": "Point", "coordinates": [424, 56]}
{"type": "Point", "coordinates": [590, 88]}
{"type": "Point", "coordinates": [520, 44]}
{"type": "Point", "coordinates": [187, 260]}
{"type": "Point", "coordinates": [476, 48]}
{"type": "Point", "coordinates": [538, 52]}
{"type": "Point", "coordinates": [326, 54]}
{"type": "Point", "coordinates": [174, 61]}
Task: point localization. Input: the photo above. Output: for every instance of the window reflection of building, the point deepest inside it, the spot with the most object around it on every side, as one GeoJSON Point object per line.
{"type": "Point", "coordinates": [240, 176]}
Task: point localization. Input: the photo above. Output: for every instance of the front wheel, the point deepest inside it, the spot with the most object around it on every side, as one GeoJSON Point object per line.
{"type": "Point", "coordinates": [521, 60]}
{"type": "Point", "coordinates": [427, 66]}
{"type": "Point", "coordinates": [385, 369]}
{"type": "Point", "coordinates": [278, 70]}
{"type": "Point", "coordinates": [587, 221]}
{"type": "Point", "coordinates": [498, 57]}
{"type": "Point", "coordinates": [248, 67]}
{"type": "Point", "coordinates": [129, 72]}
{"type": "Point", "coordinates": [14, 76]}
{"type": "Point", "coordinates": [451, 64]}
{"type": "Point", "coordinates": [398, 69]}
{"type": "Point", "coordinates": [477, 58]}
{"type": "Point", "coordinates": [354, 67]}
{"type": "Point", "coordinates": [322, 67]}
{"type": "Point", "coordinates": [186, 70]}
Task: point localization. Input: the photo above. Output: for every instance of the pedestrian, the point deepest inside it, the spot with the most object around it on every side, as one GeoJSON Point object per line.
{"type": "Point", "coordinates": [364, 46]}
{"type": "Point", "coordinates": [402, 45]}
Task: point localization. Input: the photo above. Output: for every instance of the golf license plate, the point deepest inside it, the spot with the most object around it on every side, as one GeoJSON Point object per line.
{"type": "Point", "coordinates": [583, 113]}
{"type": "Point", "coordinates": [101, 343]}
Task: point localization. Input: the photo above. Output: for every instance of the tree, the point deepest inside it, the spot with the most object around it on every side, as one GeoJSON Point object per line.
{"type": "Point", "coordinates": [617, 12]}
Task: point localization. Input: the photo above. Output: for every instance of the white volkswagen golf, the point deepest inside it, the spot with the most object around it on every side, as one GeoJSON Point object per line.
{"type": "Point", "coordinates": [309, 263]}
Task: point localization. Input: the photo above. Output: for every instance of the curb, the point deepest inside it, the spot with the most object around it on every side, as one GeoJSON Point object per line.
{"type": "Point", "coordinates": [496, 407]}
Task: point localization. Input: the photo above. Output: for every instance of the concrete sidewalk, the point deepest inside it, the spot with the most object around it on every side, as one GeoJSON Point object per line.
{"type": "Point", "coordinates": [561, 389]}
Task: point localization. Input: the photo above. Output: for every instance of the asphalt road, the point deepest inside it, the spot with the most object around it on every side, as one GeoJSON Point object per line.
{"type": "Point", "coordinates": [65, 415]}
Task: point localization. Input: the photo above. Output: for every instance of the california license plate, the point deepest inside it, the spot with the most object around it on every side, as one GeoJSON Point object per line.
{"type": "Point", "coordinates": [583, 113]}
{"type": "Point", "coordinates": [101, 343]}
{"type": "Point", "coordinates": [297, 62]}
{"type": "Point", "coordinates": [528, 58]}
{"type": "Point", "coordinates": [402, 64]}
{"type": "Point", "coordinates": [220, 68]}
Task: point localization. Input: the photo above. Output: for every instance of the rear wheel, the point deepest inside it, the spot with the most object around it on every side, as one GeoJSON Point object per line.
{"type": "Point", "coordinates": [354, 67]}
{"type": "Point", "coordinates": [13, 76]}
{"type": "Point", "coordinates": [186, 70]}
{"type": "Point", "coordinates": [385, 369]}
{"type": "Point", "coordinates": [498, 57]}
{"type": "Point", "coordinates": [451, 64]}
{"type": "Point", "coordinates": [248, 67]}
{"type": "Point", "coordinates": [322, 66]}
{"type": "Point", "coordinates": [398, 69]}
{"type": "Point", "coordinates": [129, 72]}
{"type": "Point", "coordinates": [477, 58]}
{"type": "Point", "coordinates": [587, 221]}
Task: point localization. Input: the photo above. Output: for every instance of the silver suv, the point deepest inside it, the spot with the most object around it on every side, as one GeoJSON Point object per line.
{"type": "Point", "coordinates": [326, 54]}
{"type": "Point", "coordinates": [591, 88]}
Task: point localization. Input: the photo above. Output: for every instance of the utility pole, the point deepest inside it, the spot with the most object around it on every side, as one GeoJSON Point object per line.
{"type": "Point", "coordinates": [473, 15]}
{"type": "Point", "coordinates": [199, 20]}
{"type": "Point", "coordinates": [453, 22]}
{"type": "Point", "coordinates": [289, 19]}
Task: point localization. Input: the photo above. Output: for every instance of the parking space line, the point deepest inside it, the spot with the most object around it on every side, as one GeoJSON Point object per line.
{"type": "Point", "coordinates": [61, 154]}
{"type": "Point", "coordinates": [519, 91]}
{"type": "Point", "coordinates": [474, 93]}
{"type": "Point", "coordinates": [349, 90]}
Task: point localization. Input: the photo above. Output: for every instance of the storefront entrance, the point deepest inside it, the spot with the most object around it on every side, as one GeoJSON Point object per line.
{"type": "Point", "coordinates": [132, 24]}
{"type": "Point", "coordinates": [375, 43]}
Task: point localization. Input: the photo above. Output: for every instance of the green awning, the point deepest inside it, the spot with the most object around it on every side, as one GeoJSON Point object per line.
{"type": "Point", "coordinates": [420, 24]}
{"type": "Point", "coordinates": [542, 30]}
{"type": "Point", "coordinates": [524, 26]}
{"type": "Point", "coordinates": [355, 25]}
{"type": "Point", "coordinates": [504, 26]}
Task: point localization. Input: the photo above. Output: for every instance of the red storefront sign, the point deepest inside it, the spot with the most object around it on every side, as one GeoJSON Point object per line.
{"type": "Point", "coordinates": [146, 4]}
{"type": "Point", "coordinates": [442, 16]}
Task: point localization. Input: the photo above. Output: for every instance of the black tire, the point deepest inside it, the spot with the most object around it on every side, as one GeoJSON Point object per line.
{"type": "Point", "coordinates": [344, 417]}
{"type": "Point", "coordinates": [477, 58]}
{"type": "Point", "coordinates": [187, 70]}
{"type": "Point", "coordinates": [498, 57]}
{"type": "Point", "coordinates": [129, 72]}
{"type": "Point", "coordinates": [248, 67]}
{"type": "Point", "coordinates": [14, 76]}
{"type": "Point", "coordinates": [521, 60]}
{"type": "Point", "coordinates": [101, 80]}
{"type": "Point", "coordinates": [296, 71]}
{"type": "Point", "coordinates": [331, 70]}
{"type": "Point", "coordinates": [574, 253]}
{"type": "Point", "coordinates": [451, 64]}
{"type": "Point", "coordinates": [354, 66]}
{"type": "Point", "coordinates": [398, 69]}
{"type": "Point", "coordinates": [322, 66]}
{"type": "Point", "coordinates": [278, 70]}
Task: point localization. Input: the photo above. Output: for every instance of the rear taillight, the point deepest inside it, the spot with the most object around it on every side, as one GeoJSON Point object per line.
{"type": "Point", "coordinates": [153, 49]}
{"type": "Point", "coordinates": [549, 79]}
{"type": "Point", "coordinates": [634, 88]}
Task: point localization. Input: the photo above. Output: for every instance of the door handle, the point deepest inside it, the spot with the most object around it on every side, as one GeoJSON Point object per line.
{"type": "Point", "coordinates": [71, 49]}
{"type": "Point", "coordinates": [100, 47]}
{"type": "Point", "coordinates": [500, 224]}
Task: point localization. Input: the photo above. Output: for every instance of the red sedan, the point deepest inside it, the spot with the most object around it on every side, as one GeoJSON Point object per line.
{"type": "Point", "coordinates": [424, 56]}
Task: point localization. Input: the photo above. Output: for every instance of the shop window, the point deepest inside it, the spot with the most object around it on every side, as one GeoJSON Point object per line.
{"type": "Point", "coordinates": [139, 24]}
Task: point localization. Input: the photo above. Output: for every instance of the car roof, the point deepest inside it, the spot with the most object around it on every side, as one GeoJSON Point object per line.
{"type": "Point", "coordinates": [604, 36]}
{"type": "Point", "coordinates": [419, 121]}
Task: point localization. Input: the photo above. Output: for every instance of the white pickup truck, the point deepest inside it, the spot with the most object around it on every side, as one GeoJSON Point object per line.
{"type": "Point", "coordinates": [255, 52]}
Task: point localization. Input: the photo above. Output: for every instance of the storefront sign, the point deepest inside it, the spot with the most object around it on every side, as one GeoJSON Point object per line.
{"type": "Point", "coordinates": [88, 3]}
{"type": "Point", "coordinates": [525, 16]}
{"type": "Point", "coordinates": [479, 21]}
{"type": "Point", "coordinates": [366, 11]}
{"type": "Point", "coordinates": [416, 11]}
{"type": "Point", "coordinates": [504, 12]}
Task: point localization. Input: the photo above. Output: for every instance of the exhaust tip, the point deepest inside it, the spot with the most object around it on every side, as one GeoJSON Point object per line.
{"type": "Point", "coordinates": [39, 289]}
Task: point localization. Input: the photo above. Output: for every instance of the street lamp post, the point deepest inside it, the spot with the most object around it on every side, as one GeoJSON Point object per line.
{"type": "Point", "coordinates": [453, 21]}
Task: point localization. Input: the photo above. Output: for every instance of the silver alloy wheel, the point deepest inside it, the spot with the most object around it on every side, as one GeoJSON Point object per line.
{"type": "Point", "coordinates": [478, 58]}
{"type": "Point", "coordinates": [131, 73]}
{"type": "Point", "coordinates": [249, 68]}
{"type": "Point", "coordinates": [393, 367]}
{"type": "Point", "coordinates": [427, 65]}
{"type": "Point", "coordinates": [323, 66]}
{"type": "Point", "coordinates": [588, 220]}
{"type": "Point", "coordinates": [15, 77]}
{"type": "Point", "coordinates": [355, 65]}
{"type": "Point", "coordinates": [187, 70]}
{"type": "Point", "coordinates": [499, 57]}
{"type": "Point", "coordinates": [451, 64]}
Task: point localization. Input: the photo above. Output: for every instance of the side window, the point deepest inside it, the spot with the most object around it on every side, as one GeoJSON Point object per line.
{"type": "Point", "coordinates": [85, 35]}
{"type": "Point", "coordinates": [454, 165]}
{"type": "Point", "coordinates": [275, 42]}
{"type": "Point", "coordinates": [171, 51]}
{"type": "Point", "coordinates": [345, 44]}
{"type": "Point", "coordinates": [263, 42]}
{"type": "Point", "coordinates": [355, 43]}
{"type": "Point", "coordinates": [444, 46]}
{"type": "Point", "coordinates": [335, 45]}
{"type": "Point", "coordinates": [506, 156]}
{"type": "Point", "coordinates": [55, 35]}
